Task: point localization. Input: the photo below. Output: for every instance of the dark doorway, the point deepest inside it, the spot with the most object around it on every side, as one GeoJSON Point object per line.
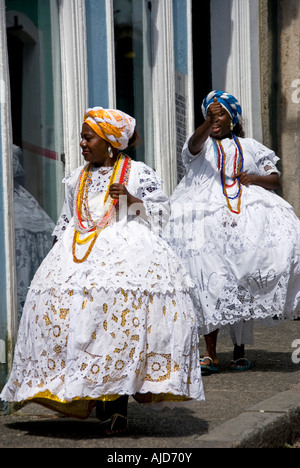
{"type": "Point", "coordinates": [15, 54]}
{"type": "Point", "coordinates": [201, 55]}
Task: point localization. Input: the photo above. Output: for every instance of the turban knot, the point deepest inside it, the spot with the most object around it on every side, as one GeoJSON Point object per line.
{"type": "Point", "coordinates": [112, 125]}
{"type": "Point", "coordinates": [229, 102]}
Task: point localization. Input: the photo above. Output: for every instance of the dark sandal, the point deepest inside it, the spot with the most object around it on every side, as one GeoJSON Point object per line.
{"type": "Point", "coordinates": [241, 364]}
{"type": "Point", "coordinates": [117, 424]}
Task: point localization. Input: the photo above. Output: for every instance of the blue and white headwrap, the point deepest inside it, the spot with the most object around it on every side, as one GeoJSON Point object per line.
{"type": "Point", "coordinates": [229, 102]}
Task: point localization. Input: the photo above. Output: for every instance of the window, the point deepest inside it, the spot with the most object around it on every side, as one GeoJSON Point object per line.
{"type": "Point", "coordinates": [35, 81]}
{"type": "Point", "coordinates": [132, 31]}
{"type": "Point", "coordinates": [34, 60]}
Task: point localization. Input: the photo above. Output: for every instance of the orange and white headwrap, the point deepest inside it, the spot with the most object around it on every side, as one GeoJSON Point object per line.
{"type": "Point", "coordinates": [112, 125]}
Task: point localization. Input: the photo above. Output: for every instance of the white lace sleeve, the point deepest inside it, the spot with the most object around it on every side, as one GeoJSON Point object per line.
{"type": "Point", "coordinates": [67, 209]}
{"type": "Point", "coordinates": [156, 202]}
{"type": "Point", "coordinates": [187, 156]}
{"type": "Point", "coordinates": [265, 159]}
{"type": "Point", "coordinates": [62, 221]}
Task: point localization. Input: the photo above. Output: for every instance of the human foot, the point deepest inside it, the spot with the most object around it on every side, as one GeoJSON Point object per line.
{"type": "Point", "coordinates": [209, 365]}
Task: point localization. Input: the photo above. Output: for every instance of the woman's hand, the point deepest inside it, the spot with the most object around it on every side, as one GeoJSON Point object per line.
{"type": "Point", "coordinates": [268, 182]}
{"type": "Point", "coordinates": [216, 118]}
{"type": "Point", "coordinates": [245, 178]}
{"type": "Point", "coordinates": [214, 111]}
{"type": "Point", "coordinates": [118, 190]}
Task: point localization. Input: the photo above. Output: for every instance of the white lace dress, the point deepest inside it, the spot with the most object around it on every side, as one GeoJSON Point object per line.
{"type": "Point", "coordinates": [246, 266]}
{"type": "Point", "coordinates": [121, 322]}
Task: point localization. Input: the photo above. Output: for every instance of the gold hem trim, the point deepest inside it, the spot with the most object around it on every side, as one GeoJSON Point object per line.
{"type": "Point", "coordinates": [82, 407]}
{"type": "Point", "coordinates": [78, 407]}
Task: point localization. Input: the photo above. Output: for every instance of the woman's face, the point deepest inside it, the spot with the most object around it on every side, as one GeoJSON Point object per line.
{"type": "Point", "coordinates": [221, 128]}
{"type": "Point", "coordinates": [94, 148]}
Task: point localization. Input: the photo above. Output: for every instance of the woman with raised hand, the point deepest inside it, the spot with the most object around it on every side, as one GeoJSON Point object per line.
{"type": "Point", "coordinates": [241, 241]}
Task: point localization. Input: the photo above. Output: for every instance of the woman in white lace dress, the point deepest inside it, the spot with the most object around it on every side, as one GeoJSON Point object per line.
{"type": "Point", "coordinates": [243, 245]}
{"type": "Point", "coordinates": [108, 313]}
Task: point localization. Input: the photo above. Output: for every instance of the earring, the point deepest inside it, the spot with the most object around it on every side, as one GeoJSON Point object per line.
{"type": "Point", "coordinates": [110, 152]}
{"type": "Point", "coordinates": [231, 126]}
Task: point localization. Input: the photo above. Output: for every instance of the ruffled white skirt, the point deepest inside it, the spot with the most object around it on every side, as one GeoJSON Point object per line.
{"type": "Point", "coordinates": [120, 323]}
{"type": "Point", "coordinates": [245, 266]}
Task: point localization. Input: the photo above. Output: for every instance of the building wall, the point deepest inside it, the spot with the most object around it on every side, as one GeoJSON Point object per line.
{"type": "Point", "coordinates": [288, 128]}
{"type": "Point", "coordinates": [269, 72]}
